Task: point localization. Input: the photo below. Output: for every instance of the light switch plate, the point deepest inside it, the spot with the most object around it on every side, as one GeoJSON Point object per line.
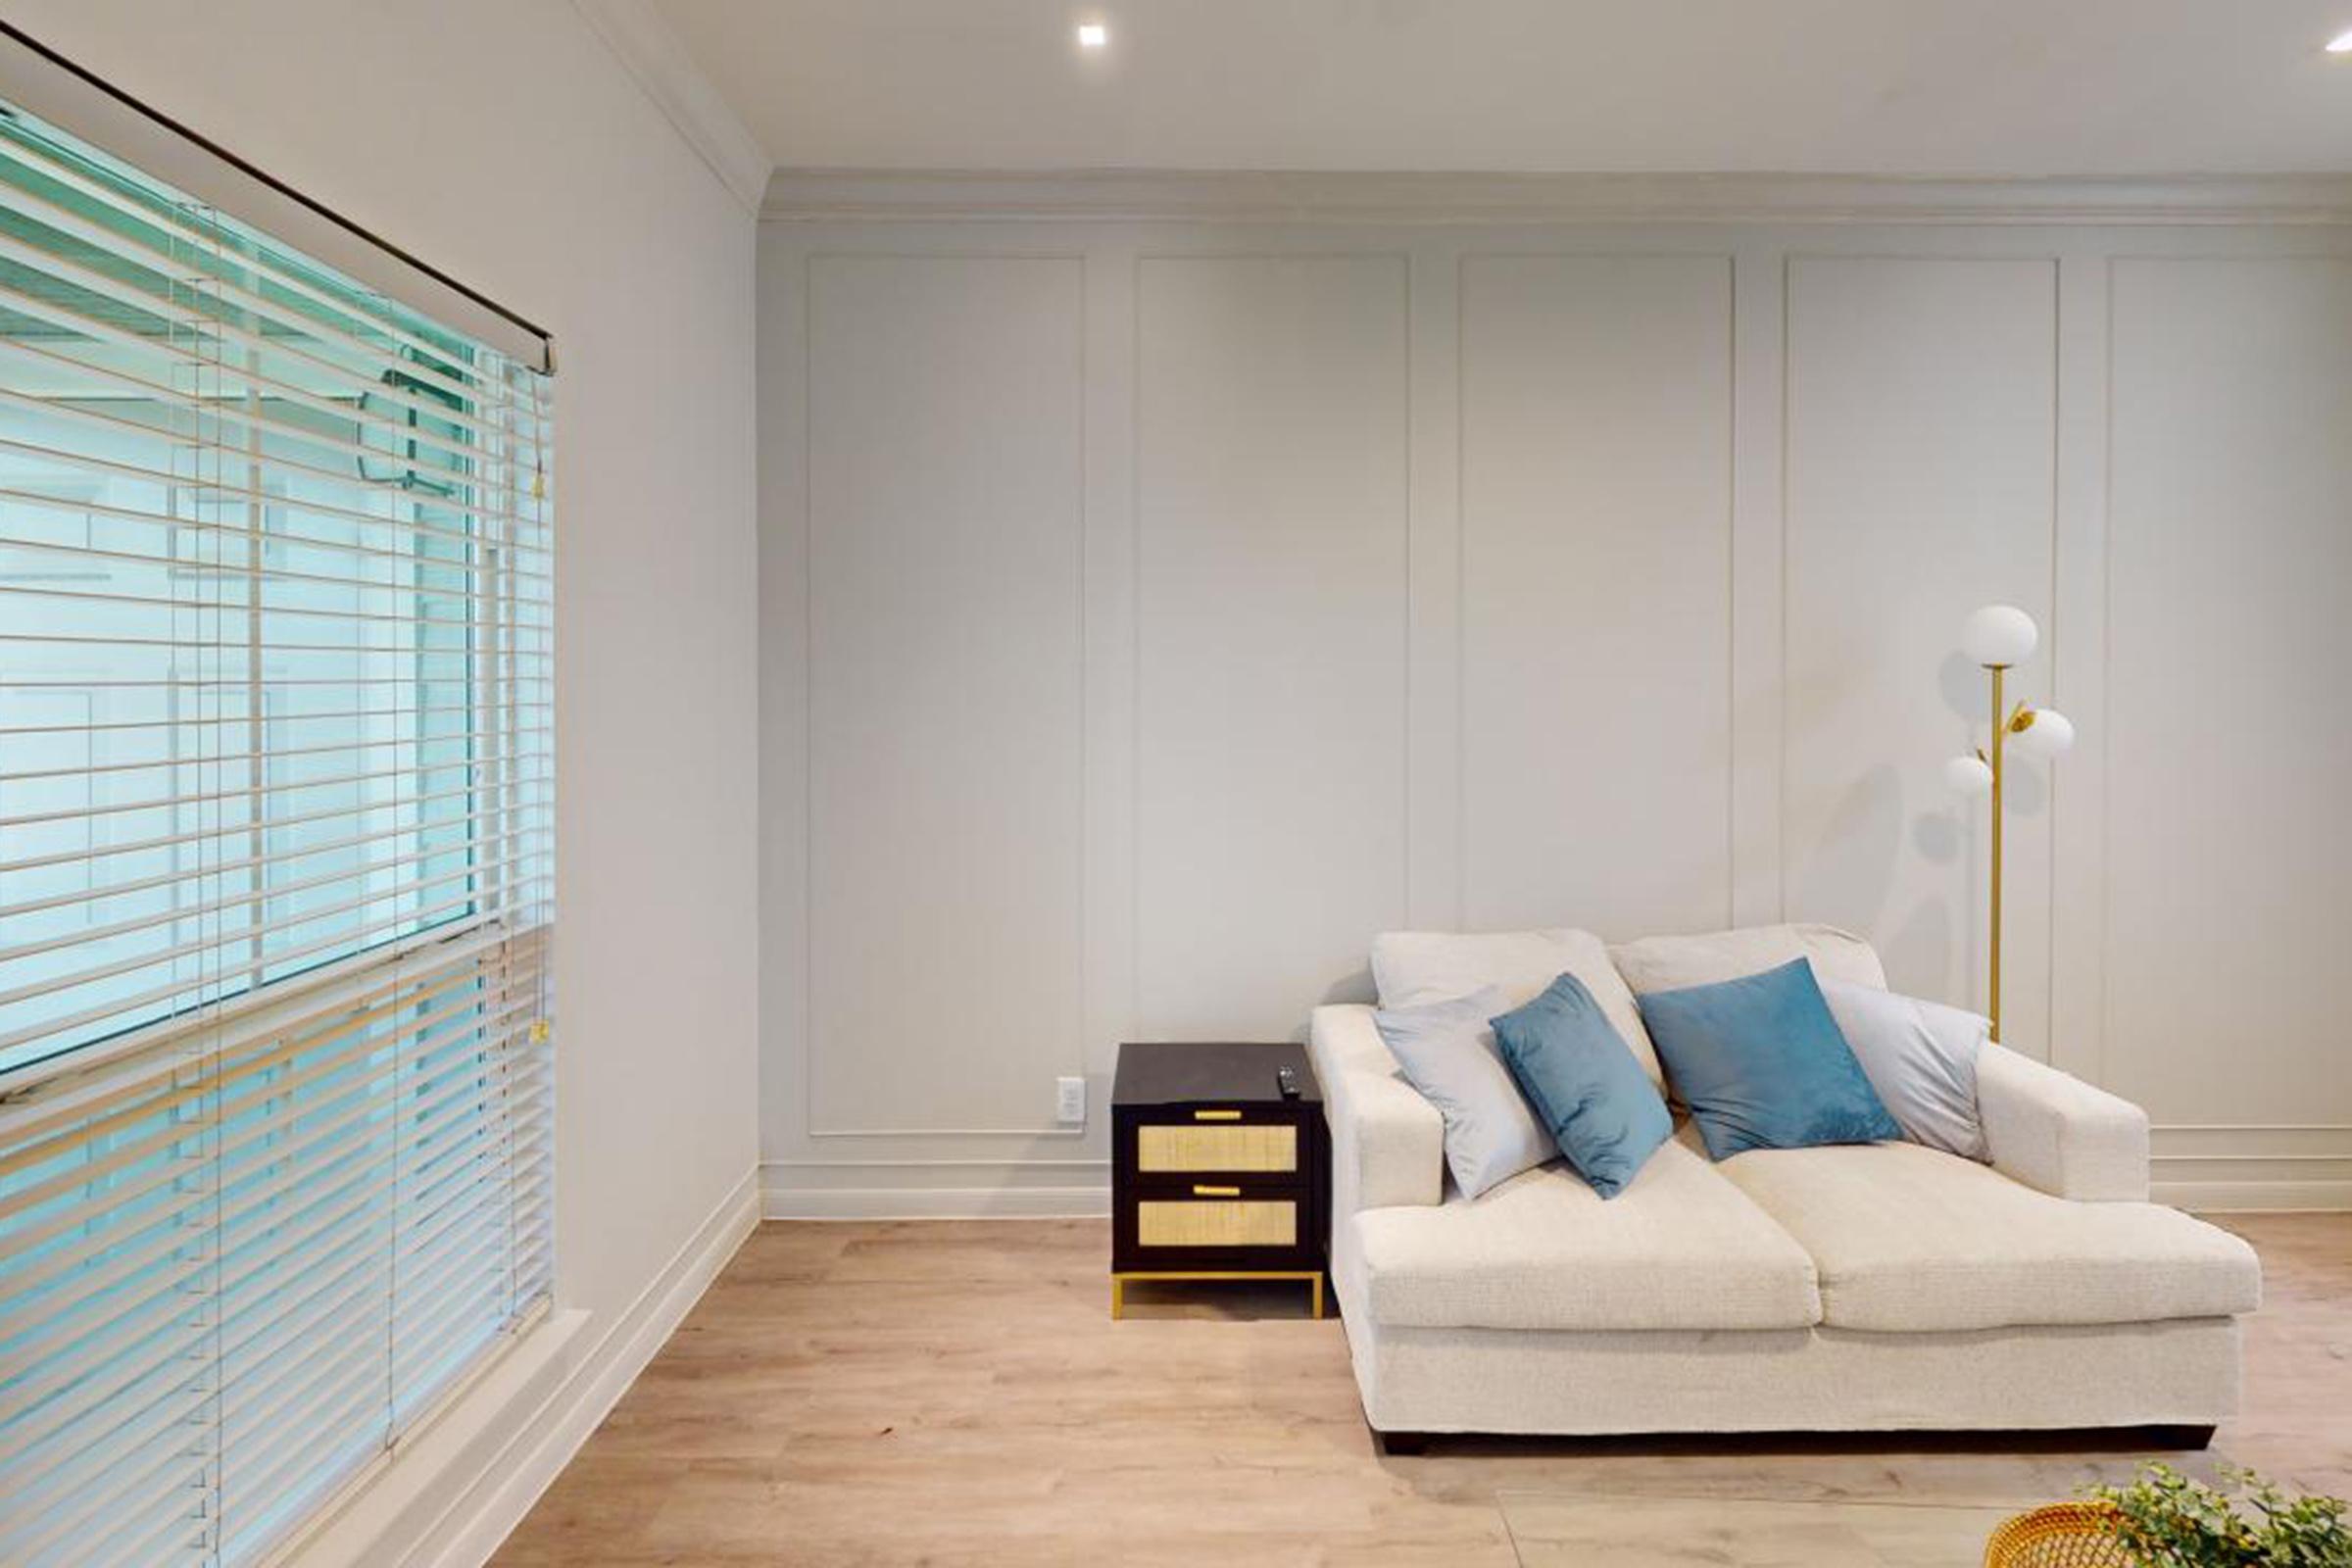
{"type": "Point", "coordinates": [1070, 1099]}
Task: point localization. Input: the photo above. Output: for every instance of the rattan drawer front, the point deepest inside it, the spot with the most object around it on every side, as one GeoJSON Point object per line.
{"type": "Point", "coordinates": [1227, 1147]}
{"type": "Point", "coordinates": [1270, 1222]}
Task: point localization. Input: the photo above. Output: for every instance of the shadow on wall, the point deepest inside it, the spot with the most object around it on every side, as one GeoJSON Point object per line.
{"type": "Point", "coordinates": [1355, 987]}
{"type": "Point", "coordinates": [1932, 943]}
{"type": "Point", "coordinates": [1850, 879]}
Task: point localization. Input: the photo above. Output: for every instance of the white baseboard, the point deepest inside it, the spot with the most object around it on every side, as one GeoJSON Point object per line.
{"type": "Point", "coordinates": [2224, 1170]}
{"type": "Point", "coordinates": [455, 1494]}
{"type": "Point", "coordinates": [2255, 1198]}
{"type": "Point", "coordinates": [935, 1203]}
{"type": "Point", "coordinates": [944, 1190]}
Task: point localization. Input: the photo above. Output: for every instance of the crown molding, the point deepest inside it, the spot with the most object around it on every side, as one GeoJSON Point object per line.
{"type": "Point", "coordinates": [643, 43]}
{"type": "Point", "coordinates": [806, 195]}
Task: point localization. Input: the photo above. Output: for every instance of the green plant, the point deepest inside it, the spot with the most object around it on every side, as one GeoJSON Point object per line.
{"type": "Point", "coordinates": [2166, 1520]}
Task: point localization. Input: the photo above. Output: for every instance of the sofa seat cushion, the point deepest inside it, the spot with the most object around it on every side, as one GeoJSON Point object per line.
{"type": "Point", "coordinates": [1908, 1238]}
{"type": "Point", "coordinates": [1680, 1247]}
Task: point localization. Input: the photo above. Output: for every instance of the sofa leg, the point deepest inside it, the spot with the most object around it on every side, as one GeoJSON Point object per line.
{"type": "Point", "coordinates": [1400, 1444]}
{"type": "Point", "coordinates": [2181, 1436]}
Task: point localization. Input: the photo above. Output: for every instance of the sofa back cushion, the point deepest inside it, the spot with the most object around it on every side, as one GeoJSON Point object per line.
{"type": "Point", "coordinates": [1413, 967]}
{"type": "Point", "coordinates": [1676, 963]}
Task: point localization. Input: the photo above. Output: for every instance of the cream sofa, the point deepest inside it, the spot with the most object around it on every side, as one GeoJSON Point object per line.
{"type": "Point", "coordinates": [1863, 1288]}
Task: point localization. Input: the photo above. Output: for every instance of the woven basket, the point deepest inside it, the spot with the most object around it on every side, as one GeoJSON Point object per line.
{"type": "Point", "coordinates": [2063, 1534]}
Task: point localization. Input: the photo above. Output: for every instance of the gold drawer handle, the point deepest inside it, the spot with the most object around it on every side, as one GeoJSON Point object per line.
{"type": "Point", "coordinates": [1200, 1191]}
{"type": "Point", "coordinates": [1216, 1115]}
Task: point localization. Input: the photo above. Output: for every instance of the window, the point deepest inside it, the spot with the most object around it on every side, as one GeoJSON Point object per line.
{"type": "Point", "coordinates": [275, 866]}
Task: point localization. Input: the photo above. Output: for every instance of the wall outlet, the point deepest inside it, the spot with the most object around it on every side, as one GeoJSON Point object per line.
{"type": "Point", "coordinates": [1070, 1099]}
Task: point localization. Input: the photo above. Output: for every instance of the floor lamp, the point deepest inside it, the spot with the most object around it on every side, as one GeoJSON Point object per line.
{"type": "Point", "coordinates": [1997, 637]}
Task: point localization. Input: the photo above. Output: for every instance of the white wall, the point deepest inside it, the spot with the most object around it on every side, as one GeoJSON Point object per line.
{"type": "Point", "coordinates": [1154, 611]}
{"type": "Point", "coordinates": [506, 144]}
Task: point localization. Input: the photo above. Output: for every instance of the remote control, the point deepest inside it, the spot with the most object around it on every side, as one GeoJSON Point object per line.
{"type": "Point", "coordinates": [1287, 1079]}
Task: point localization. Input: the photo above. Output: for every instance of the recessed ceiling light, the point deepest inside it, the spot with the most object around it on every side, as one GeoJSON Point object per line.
{"type": "Point", "coordinates": [2342, 44]}
{"type": "Point", "coordinates": [1096, 35]}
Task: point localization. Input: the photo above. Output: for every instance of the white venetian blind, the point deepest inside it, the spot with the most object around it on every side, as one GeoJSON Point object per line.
{"type": "Point", "coordinates": [276, 868]}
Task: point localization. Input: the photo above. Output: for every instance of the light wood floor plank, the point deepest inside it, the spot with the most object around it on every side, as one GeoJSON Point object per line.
{"type": "Point", "coordinates": [955, 1394]}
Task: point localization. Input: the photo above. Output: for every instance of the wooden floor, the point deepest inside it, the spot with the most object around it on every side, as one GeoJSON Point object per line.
{"type": "Point", "coordinates": [954, 1394]}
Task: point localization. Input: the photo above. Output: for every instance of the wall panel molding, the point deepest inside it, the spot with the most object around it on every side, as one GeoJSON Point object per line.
{"type": "Point", "coordinates": [1760, 585]}
{"type": "Point", "coordinates": [1279, 507]}
{"type": "Point", "coordinates": [1272, 706]}
{"type": "Point", "coordinates": [946, 676]}
{"type": "Point", "coordinates": [1919, 482]}
{"type": "Point", "coordinates": [1434, 652]}
{"type": "Point", "coordinates": [2077, 1000]}
{"type": "Point", "coordinates": [2225, 560]}
{"type": "Point", "coordinates": [1594, 471]}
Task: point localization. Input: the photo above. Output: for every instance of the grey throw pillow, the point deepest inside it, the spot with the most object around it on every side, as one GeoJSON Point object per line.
{"type": "Point", "coordinates": [1447, 1051]}
{"type": "Point", "coordinates": [1921, 1056]}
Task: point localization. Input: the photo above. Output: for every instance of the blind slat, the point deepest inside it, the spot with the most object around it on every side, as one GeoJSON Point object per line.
{"type": "Point", "coordinates": [167, 262]}
{"type": "Point", "coordinates": [463, 566]}
{"type": "Point", "coordinates": [281, 753]}
{"type": "Point", "coordinates": [509, 844]}
{"type": "Point", "coordinates": [497, 1028]}
{"type": "Point", "coordinates": [86, 1511]}
{"type": "Point", "coordinates": [390, 802]}
{"type": "Point", "coordinates": [83, 326]}
{"type": "Point", "coordinates": [200, 228]}
{"type": "Point", "coordinates": [171, 1529]}
{"type": "Point", "coordinates": [184, 298]}
{"type": "Point", "coordinates": [340, 1000]}
{"type": "Point", "coordinates": [254, 461]}
{"type": "Point", "coordinates": [102, 892]}
{"type": "Point", "coordinates": [218, 990]}
{"type": "Point", "coordinates": [525, 562]}
{"type": "Point", "coordinates": [528, 532]}
{"type": "Point", "coordinates": [237, 399]}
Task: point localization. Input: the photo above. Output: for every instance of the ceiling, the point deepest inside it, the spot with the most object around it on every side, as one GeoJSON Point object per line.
{"type": "Point", "coordinates": [1957, 87]}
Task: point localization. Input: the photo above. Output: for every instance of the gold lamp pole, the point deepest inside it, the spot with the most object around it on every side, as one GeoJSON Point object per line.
{"type": "Point", "coordinates": [1999, 637]}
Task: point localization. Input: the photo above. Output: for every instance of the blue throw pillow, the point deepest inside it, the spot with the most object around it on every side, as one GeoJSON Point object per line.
{"type": "Point", "coordinates": [1761, 1063]}
{"type": "Point", "coordinates": [1577, 1072]}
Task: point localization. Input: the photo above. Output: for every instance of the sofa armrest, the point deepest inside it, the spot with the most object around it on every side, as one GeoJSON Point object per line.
{"type": "Point", "coordinates": [2057, 1133]}
{"type": "Point", "coordinates": [1388, 1143]}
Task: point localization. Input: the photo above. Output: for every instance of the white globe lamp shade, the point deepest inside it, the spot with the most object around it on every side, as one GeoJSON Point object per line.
{"type": "Point", "coordinates": [1999, 634]}
{"type": "Point", "coordinates": [2049, 733]}
{"type": "Point", "coordinates": [1968, 775]}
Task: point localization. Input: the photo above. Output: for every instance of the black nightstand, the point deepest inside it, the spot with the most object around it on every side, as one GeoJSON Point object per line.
{"type": "Point", "coordinates": [1213, 1174]}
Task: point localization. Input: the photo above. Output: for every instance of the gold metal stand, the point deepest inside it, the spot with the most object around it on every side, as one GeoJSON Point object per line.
{"type": "Point", "coordinates": [2000, 733]}
{"type": "Point", "coordinates": [1119, 1281]}
{"type": "Point", "coordinates": [1996, 637]}
{"type": "Point", "coordinates": [2007, 720]}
